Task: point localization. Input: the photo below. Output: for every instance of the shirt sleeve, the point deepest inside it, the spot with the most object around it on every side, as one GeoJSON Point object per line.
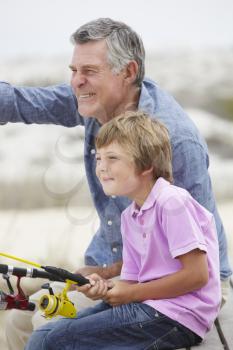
{"type": "Point", "coordinates": [46, 105]}
{"type": "Point", "coordinates": [129, 269]}
{"type": "Point", "coordinates": [181, 222]}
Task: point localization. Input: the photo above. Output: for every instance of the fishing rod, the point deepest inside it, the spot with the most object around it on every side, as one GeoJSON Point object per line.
{"type": "Point", "coordinates": [50, 304]}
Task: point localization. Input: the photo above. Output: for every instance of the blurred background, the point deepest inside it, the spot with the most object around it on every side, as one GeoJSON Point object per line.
{"type": "Point", "coordinates": [46, 213]}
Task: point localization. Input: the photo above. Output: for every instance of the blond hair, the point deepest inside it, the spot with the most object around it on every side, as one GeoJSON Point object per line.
{"type": "Point", "coordinates": [145, 139]}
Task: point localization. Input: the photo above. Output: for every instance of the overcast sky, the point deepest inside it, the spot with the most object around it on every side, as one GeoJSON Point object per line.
{"type": "Point", "coordinates": [29, 27]}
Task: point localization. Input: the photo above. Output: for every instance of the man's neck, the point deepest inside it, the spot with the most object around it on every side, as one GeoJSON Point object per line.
{"type": "Point", "coordinates": [130, 103]}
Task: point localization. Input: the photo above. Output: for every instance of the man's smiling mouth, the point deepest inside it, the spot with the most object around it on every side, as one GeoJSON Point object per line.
{"type": "Point", "coordinates": [85, 96]}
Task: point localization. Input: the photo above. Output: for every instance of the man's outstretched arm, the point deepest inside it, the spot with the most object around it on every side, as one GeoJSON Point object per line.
{"type": "Point", "coordinates": [45, 105]}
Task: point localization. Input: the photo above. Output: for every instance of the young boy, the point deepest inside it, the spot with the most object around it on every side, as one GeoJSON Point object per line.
{"type": "Point", "coordinates": [169, 293]}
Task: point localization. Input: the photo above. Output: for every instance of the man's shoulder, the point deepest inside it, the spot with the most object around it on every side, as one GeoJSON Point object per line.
{"type": "Point", "coordinates": [155, 91]}
{"type": "Point", "coordinates": [159, 104]}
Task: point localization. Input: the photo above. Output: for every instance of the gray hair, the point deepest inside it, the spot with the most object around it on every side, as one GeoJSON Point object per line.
{"type": "Point", "coordinates": [124, 44]}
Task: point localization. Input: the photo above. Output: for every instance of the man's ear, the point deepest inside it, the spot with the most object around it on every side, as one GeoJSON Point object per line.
{"type": "Point", "coordinates": [131, 72]}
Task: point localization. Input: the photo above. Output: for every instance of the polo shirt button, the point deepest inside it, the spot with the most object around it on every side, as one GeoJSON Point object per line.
{"type": "Point", "coordinates": [114, 250]}
{"type": "Point", "coordinates": [109, 223]}
{"type": "Point", "coordinates": [104, 265]}
{"type": "Point", "coordinates": [144, 234]}
{"type": "Point", "coordinates": [93, 151]}
{"type": "Point", "coordinates": [113, 196]}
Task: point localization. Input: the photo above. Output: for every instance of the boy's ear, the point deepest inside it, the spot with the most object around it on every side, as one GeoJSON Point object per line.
{"type": "Point", "coordinates": [147, 171]}
{"type": "Point", "coordinates": [131, 72]}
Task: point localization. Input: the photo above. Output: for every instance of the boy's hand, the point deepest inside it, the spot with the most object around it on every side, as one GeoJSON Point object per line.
{"type": "Point", "coordinates": [121, 292]}
{"type": "Point", "coordinates": [96, 289]}
{"type": "Point", "coordinates": [105, 272]}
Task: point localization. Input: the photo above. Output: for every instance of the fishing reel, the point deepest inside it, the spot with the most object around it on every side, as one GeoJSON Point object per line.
{"type": "Point", "coordinates": [57, 304]}
{"type": "Point", "coordinates": [14, 300]}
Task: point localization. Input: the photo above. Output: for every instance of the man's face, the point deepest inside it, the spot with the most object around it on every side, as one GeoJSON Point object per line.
{"type": "Point", "coordinates": [100, 92]}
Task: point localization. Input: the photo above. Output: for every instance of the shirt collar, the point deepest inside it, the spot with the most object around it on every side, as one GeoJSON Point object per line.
{"type": "Point", "coordinates": [146, 102]}
{"type": "Point", "coordinates": [151, 199]}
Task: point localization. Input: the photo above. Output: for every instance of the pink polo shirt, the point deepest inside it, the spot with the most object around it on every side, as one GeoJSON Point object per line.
{"type": "Point", "coordinates": [171, 223]}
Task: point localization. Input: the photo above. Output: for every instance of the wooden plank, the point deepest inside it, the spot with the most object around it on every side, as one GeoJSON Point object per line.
{"type": "Point", "coordinates": [211, 341]}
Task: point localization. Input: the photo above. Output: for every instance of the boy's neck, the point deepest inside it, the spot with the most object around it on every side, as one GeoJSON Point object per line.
{"type": "Point", "coordinates": [143, 193]}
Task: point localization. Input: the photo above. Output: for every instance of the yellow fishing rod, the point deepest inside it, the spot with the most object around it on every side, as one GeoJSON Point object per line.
{"type": "Point", "coordinates": [60, 273]}
{"type": "Point", "coordinates": [9, 256]}
{"type": "Point", "coordinates": [52, 305]}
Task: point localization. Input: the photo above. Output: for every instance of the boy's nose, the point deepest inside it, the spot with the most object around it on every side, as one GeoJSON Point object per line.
{"type": "Point", "coordinates": [103, 166]}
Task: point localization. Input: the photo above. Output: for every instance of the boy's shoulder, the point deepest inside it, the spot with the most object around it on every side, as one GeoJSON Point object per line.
{"type": "Point", "coordinates": [172, 192]}
{"type": "Point", "coordinates": [171, 197]}
{"type": "Point", "coordinates": [163, 195]}
{"type": "Point", "coordinates": [177, 200]}
{"type": "Point", "coordinates": [166, 197]}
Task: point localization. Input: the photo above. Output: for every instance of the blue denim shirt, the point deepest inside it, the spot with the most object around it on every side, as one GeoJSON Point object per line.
{"type": "Point", "coordinates": [57, 105]}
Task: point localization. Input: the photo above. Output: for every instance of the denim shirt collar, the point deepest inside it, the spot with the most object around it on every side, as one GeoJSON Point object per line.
{"type": "Point", "coordinates": [146, 102]}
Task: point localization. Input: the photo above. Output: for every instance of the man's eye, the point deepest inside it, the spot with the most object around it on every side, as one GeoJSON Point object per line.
{"type": "Point", "coordinates": [91, 71]}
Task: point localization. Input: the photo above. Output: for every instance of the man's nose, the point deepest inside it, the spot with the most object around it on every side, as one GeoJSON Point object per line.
{"type": "Point", "coordinates": [78, 79]}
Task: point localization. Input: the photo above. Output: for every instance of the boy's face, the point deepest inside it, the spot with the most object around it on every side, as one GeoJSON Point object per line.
{"type": "Point", "coordinates": [116, 171]}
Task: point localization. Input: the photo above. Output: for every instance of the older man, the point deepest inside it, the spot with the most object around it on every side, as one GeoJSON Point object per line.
{"type": "Point", "coordinates": [107, 79]}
